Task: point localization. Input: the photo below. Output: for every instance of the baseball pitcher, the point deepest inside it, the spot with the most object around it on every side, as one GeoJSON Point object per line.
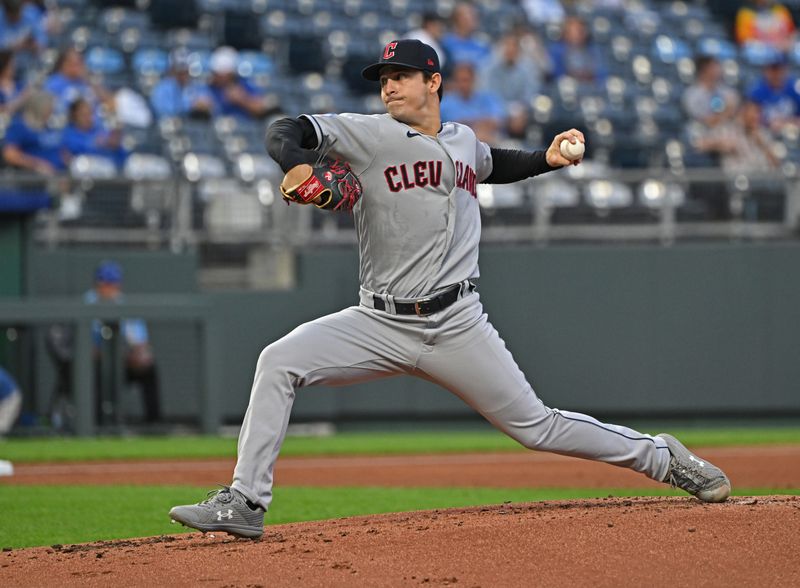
{"type": "Point", "coordinates": [410, 180]}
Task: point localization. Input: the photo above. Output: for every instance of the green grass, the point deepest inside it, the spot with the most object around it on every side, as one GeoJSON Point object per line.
{"type": "Point", "coordinates": [75, 514]}
{"type": "Point", "coordinates": [70, 449]}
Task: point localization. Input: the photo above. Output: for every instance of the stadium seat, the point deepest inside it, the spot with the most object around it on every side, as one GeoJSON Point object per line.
{"type": "Point", "coordinates": [558, 193]}
{"type": "Point", "coordinates": [758, 54]}
{"type": "Point", "coordinates": [230, 207]}
{"type": "Point", "coordinates": [115, 20]}
{"type": "Point", "coordinates": [150, 61]}
{"type": "Point", "coordinates": [607, 194]}
{"type": "Point", "coordinates": [146, 166]}
{"type": "Point", "coordinates": [655, 194]}
{"type": "Point", "coordinates": [202, 166]}
{"type": "Point", "coordinates": [257, 166]}
{"type": "Point", "coordinates": [669, 50]}
{"type": "Point", "coordinates": [719, 48]}
{"type": "Point", "coordinates": [104, 61]}
{"type": "Point", "coordinates": [92, 167]}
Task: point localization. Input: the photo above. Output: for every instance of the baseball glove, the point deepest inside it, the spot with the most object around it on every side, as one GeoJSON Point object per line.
{"type": "Point", "coordinates": [332, 180]}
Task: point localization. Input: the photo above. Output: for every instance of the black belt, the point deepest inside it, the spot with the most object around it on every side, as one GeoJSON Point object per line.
{"type": "Point", "coordinates": [425, 306]}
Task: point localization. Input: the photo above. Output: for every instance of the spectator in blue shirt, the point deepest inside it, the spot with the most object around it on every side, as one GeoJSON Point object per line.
{"type": "Point", "coordinates": [83, 136]}
{"type": "Point", "coordinates": [30, 143]}
{"type": "Point", "coordinates": [575, 55]}
{"type": "Point", "coordinates": [70, 81]}
{"type": "Point", "coordinates": [12, 91]}
{"type": "Point", "coordinates": [462, 44]}
{"type": "Point", "coordinates": [227, 94]}
{"type": "Point", "coordinates": [175, 93]}
{"type": "Point", "coordinates": [139, 363]}
{"type": "Point", "coordinates": [10, 401]}
{"type": "Point", "coordinates": [778, 94]}
{"type": "Point", "coordinates": [22, 27]}
{"type": "Point", "coordinates": [481, 110]}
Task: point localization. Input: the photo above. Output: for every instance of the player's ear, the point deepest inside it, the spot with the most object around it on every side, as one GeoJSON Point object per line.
{"type": "Point", "coordinates": [435, 82]}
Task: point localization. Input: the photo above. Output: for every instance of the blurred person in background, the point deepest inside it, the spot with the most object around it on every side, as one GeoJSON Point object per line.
{"type": "Point", "coordinates": [30, 143]}
{"type": "Point", "coordinates": [765, 21]}
{"type": "Point", "coordinates": [12, 91]}
{"type": "Point", "coordinates": [534, 51]}
{"type": "Point", "coordinates": [139, 362]}
{"type": "Point", "coordinates": [83, 136]}
{"type": "Point", "coordinates": [708, 100]}
{"type": "Point", "coordinates": [10, 401]}
{"type": "Point", "coordinates": [49, 15]}
{"type": "Point", "coordinates": [70, 81]}
{"type": "Point", "coordinates": [575, 55]}
{"type": "Point", "coordinates": [516, 79]}
{"type": "Point", "coordinates": [431, 32]}
{"type": "Point", "coordinates": [462, 43]}
{"type": "Point", "coordinates": [510, 73]}
{"type": "Point", "coordinates": [227, 94]}
{"type": "Point", "coordinates": [22, 27]}
{"type": "Point", "coordinates": [778, 94]}
{"type": "Point", "coordinates": [481, 110]}
{"type": "Point", "coordinates": [743, 144]}
{"type": "Point", "coordinates": [171, 96]}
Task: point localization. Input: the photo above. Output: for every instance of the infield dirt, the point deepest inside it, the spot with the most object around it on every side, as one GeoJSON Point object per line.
{"type": "Point", "coordinates": [607, 542]}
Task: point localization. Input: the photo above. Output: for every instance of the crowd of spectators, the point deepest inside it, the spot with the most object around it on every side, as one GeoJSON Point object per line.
{"type": "Point", "coordinates": [740, 128]}
{"type": "Point", "coordinates": [50, 118]}
{"type": "Point", "coordinates": [490, 83]}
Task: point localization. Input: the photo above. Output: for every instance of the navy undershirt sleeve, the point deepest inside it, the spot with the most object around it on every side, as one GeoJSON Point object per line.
{"type": "Point", "coordinates": [291, 141]}
{"type": "Point", "coordinates": [512, 165]}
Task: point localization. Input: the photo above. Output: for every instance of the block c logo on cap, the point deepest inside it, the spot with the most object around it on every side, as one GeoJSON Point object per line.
{"type": "Point", "coordinates": [388, 51]}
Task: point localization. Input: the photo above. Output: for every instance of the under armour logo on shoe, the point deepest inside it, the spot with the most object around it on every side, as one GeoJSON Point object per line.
{"type": "Point", "coordinates": [226, 515]}
{"type": "Point", "coordinates": [702, 464]}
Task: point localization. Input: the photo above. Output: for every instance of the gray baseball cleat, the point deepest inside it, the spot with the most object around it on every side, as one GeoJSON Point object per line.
{"type": "Point", "coordinates": [225, 511]}
{"type": "Point", "coordinates": [697, 476]}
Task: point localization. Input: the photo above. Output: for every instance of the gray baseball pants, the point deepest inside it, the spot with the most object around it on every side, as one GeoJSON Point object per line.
{"type": "Point", "coordinates": [456, 348]}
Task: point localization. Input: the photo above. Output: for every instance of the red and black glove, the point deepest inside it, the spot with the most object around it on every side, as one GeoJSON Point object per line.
{"type": "Point", "coordinates": [332, 181]}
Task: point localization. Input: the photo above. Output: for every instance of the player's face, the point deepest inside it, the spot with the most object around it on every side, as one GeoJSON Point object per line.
{"type": "Point", "coordinates": [405, 93]}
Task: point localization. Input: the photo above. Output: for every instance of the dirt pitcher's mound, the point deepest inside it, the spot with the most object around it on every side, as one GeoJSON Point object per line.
{"type": "Point", "coordinates": [612, 542]}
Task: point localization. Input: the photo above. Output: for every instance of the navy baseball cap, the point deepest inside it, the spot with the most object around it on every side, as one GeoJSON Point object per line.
{"type": "Point", "coordinates": [404, 53]}
{"type": "Point", "coordinates": [109, 272]}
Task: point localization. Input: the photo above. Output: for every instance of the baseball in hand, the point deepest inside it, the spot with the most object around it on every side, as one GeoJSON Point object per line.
{"type": "Point", "coordinates": [571, 151]}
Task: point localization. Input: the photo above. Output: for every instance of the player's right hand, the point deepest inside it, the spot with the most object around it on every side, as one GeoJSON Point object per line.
{"type": "Point", "coordinates": [553, 154]}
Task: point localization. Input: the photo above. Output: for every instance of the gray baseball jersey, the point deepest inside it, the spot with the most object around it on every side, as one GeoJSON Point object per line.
{"type": "Point", "coordinates": [418, 220]}
{"type": "Point", "coordinates": [418, 227]}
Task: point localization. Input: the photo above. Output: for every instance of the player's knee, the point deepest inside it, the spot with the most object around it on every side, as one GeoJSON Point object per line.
{"type": "Point", "coordinates": [269, 358]}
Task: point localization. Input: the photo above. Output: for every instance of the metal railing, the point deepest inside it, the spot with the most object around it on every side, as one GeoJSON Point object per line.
{"type": "Point", "coordinates": [591, 205]}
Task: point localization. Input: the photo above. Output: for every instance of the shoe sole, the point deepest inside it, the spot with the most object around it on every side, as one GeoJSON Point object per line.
{"type": "Point", "coordinates": [235, 530]}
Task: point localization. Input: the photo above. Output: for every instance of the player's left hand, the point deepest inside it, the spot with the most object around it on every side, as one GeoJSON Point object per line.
{"type": "Point", "coordinates": [553, 154]}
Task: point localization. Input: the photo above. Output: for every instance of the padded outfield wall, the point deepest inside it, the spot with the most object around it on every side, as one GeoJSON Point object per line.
{"type": "Point", "coordinates": [701, 329]}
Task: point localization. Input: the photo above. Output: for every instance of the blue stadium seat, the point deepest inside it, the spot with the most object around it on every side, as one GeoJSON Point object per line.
{"type": "Point", "coordinates": [758, 54]}
{"type": "Point", "coordinates": [716, 47]}
{"type": "Point", "coordinates": [794, 54]}
{"type": "Point", "coordinates": [669, 50]}
{"type": "Point", "coordinates": [115, 20]}
{"type": "Point", "coordinates": [150, 61]}
{"type": "Point", "coordinates": [104, 61]}
{"type": "Point", "coordinates": [255, 65]}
